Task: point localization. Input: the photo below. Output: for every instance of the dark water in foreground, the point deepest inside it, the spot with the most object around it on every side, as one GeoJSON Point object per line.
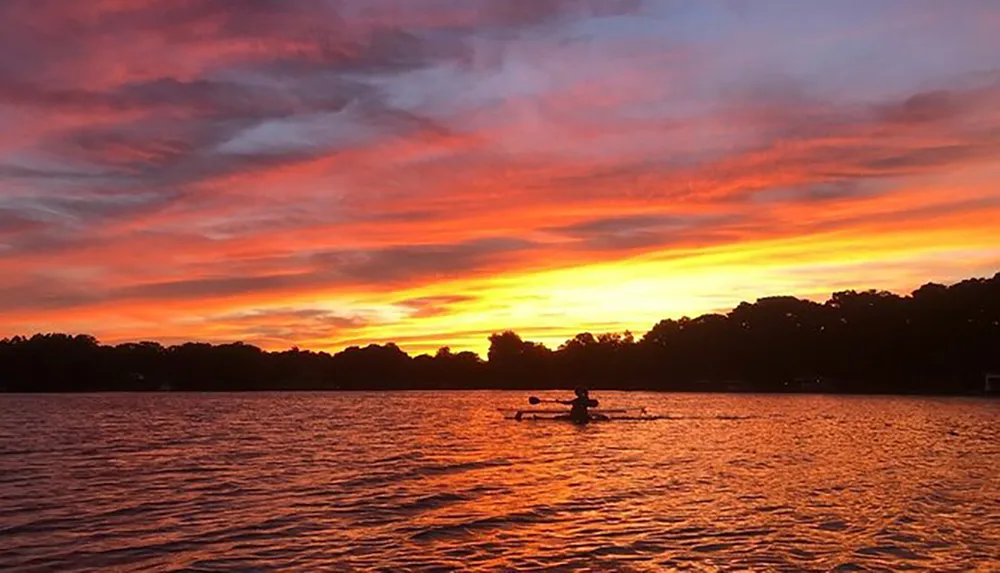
{"type": "Point", "coordinates": [429, 481]}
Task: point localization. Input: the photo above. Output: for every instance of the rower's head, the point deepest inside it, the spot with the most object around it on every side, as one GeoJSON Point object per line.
{"type": "Point", "coordinates": [582, 392]}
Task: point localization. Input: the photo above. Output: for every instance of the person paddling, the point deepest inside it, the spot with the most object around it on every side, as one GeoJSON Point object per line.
{"type": "Point", "coordinates": [580, 407]}
{"type": "Point", "coordinates": [579, 410]}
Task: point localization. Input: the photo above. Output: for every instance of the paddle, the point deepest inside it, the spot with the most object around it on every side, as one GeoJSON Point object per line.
{"type": "Point", "coordinates": [536, 400]}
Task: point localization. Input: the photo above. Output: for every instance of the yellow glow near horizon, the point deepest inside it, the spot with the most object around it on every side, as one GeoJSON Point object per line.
{"type": "Point", "coordinates": [256, 182]}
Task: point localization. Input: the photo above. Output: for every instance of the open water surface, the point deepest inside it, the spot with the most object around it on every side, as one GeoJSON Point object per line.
{"type": "Point", "coordinates": [439, 481]}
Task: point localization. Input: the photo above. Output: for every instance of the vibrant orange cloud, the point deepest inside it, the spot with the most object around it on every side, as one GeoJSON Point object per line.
{"type": "Point", "coordinates": [325, 173]}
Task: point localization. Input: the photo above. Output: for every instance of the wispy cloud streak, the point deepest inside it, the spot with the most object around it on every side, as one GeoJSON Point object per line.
{"type": "Point", "coordinates": [328, 171]}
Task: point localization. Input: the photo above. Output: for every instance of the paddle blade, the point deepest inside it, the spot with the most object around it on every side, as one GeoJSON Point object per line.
{"type": "Point", "coordinates": [534, 400]}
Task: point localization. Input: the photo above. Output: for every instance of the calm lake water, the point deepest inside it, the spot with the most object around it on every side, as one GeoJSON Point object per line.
{"type": "Point", "coordinates": [439, 481]}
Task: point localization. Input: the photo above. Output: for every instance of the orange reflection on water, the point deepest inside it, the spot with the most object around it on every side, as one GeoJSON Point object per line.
{"type": "Point", "coordinates": [394, 480]}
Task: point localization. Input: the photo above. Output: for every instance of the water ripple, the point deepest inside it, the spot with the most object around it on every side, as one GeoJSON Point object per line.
{"type": "Point", "coordinates": [438, 482]}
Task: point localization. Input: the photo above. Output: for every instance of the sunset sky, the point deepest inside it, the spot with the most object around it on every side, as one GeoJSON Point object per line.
{"type": "Point", "coordinates": [326, 173]}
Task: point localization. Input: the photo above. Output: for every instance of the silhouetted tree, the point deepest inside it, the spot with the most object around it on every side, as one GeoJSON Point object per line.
{"type": "Point", "coordinates": [518, 363]}
{"type": "Point", "coordinates": [940, 339]}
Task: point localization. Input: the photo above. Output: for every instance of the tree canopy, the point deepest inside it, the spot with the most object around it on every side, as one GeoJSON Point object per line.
{"type": "Point", "coordinates": [939, 339]}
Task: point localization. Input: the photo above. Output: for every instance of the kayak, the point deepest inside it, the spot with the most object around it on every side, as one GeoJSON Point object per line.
{"type": "Point", "coordinates": [542, 411]}
{"type": "Point", "coordinates": [596, 414]}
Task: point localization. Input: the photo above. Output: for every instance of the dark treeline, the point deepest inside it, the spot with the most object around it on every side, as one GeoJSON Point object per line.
{"type": "Point", "coordinates": [937, 340]}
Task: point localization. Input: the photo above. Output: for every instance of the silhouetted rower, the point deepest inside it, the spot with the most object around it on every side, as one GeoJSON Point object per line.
{"type": "Point", "coordinates": [580, 407]}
